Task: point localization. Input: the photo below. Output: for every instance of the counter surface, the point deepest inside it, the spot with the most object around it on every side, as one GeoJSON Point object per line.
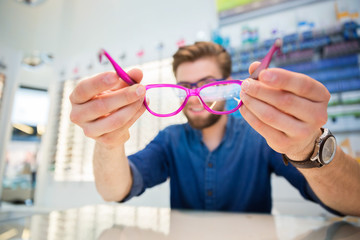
{"type": "Point", "coordinates": [127, 222]}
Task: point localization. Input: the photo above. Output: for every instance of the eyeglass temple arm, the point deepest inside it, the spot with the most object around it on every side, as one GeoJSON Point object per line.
{"type": "Point", "coordinates": [267, 59]}
{"type": "Point", "coordinates": [120, 72]}
{"type": "Point", "coordinates": [255, 75]}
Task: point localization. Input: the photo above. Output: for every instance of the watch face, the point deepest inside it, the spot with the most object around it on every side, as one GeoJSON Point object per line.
{"type": "Point", "coordinates": [328, 150]}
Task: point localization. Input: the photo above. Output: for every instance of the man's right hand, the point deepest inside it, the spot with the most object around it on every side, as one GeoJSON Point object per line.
{"type": "Point", "coordinates": [105, 107]}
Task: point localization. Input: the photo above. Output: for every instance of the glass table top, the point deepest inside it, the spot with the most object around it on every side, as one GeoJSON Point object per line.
{"type": "Point", "coordinates": [127, 222]}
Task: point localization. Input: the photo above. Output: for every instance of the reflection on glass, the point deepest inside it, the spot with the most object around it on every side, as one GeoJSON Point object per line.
{"type": "Point", "coordinates": [104, 222]}
{"type": "Point", "coordinates": [336, 230]}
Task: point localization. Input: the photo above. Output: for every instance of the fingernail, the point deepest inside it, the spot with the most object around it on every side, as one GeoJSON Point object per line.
{"type": "Point", "coordinates": [268, 76]}
{"type": "Point", "coordinates": [140, 90]}
{"type": "Point", "coordinates": [245, 86]}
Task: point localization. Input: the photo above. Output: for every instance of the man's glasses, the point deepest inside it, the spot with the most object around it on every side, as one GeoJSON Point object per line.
{"type": "Point", "coordinates": [198, 84]}
{"type": "Point", "coordinates": [217, 96]}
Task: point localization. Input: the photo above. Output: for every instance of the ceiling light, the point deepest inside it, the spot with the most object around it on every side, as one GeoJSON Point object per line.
{"type": "Point", "coordinates": [36, 59]}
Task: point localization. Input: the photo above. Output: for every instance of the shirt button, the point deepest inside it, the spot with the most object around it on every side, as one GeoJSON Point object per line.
{"type": "Point", "coordinates": [210, 165]}
{"type": "Point", "coordinates": [209, 193]}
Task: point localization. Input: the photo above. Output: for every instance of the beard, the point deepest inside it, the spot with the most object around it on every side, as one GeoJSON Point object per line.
{"type": "Point", "coordinates": [201, 123]}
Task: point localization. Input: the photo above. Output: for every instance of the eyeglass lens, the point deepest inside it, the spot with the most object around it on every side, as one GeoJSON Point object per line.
{"type": "Point", "coordinates": [219, 98]}
{"type": "Point", "coordinates": [165, 100]}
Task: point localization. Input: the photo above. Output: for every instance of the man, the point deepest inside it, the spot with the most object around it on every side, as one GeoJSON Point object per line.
{"type": "Point", "coordinates": [217, 162]}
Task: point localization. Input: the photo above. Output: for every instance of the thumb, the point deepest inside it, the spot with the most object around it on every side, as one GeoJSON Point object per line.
{"type": "Point", "coordinates": [253, 67]}
{"type": "Point", "coordinates": [135, 74]}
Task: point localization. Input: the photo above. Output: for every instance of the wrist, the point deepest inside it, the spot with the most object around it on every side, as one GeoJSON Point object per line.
{"type": "Point", "coordinates": [323, 153]}
{"type": "Point", "coordinates": [114, 141]}
{"type": "Point", "coordinates": [307, 150]}
{"type": "Point", "coordinates": [109, 147]}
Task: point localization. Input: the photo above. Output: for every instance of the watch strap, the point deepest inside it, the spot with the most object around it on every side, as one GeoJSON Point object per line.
{"type": "Point", "coordinates": [307, 163]}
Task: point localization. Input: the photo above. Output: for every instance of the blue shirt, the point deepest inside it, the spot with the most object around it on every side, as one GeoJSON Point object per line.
{"type": "Point", "coordinates": [233, 177]}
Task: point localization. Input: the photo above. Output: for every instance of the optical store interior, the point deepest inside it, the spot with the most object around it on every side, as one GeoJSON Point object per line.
{"type": "Point", "coordinates": [47, 184]}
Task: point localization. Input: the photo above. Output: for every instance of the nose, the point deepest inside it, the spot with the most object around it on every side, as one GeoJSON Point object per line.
{"type": "Point", "coordinates": [193, 99]}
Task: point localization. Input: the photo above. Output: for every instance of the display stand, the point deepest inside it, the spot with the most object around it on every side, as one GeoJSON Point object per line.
{"type": "Point", "coordinates": [12, 59]}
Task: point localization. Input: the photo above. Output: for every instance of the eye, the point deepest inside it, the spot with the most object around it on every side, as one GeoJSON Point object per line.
{"type": "Point", "coordinates": [204, 82]}
{"type": "Point", "coordinates": [185, 85]}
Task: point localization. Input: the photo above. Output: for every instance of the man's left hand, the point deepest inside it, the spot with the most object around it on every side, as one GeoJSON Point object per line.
{"type": "Point", "coordinates": [286, 108]}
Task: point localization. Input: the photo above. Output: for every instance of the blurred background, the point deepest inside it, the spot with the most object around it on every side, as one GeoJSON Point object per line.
{"type": "Point", "coordinates": [46, 46]}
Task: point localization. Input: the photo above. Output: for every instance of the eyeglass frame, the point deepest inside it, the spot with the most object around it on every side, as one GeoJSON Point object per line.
{"type": "Point", "coordinates": [193, 92]}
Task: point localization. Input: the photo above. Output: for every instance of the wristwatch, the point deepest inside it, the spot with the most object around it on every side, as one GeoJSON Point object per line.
{"type": "Point", "coordinates": [323, 154]}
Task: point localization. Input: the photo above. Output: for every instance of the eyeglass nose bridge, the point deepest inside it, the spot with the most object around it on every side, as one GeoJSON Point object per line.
{"type": "Point", "coordinates": [193, 92]}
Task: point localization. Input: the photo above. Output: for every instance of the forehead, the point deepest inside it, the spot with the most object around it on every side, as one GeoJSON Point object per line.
{"type": "Point", "coordinates": [199, 69]}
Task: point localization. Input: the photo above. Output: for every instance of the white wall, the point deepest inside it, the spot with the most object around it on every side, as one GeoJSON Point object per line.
{"type": "Point", "coordinates": [81, 27]}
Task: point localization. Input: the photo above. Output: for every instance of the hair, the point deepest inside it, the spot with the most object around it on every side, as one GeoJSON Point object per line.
{"type": "Point", "coordinates": [199, 50]}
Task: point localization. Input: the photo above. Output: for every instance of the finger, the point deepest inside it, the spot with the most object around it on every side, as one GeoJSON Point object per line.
{"type": "Point", "coordinates": [106, 103]}
{"type": "Point", "coordinates": [115, 120]}
{"type": "Point", "coordinates": [135, 74]}
{"type": "Point", "coordinates": [275, 118]}
{"type": "Point", "coordinates": [289, 103]}
{"type": "Point", "coordinates": [253, 67]}
{"type": "Point", "coordinates": [116, 136]}
{"type": "Point", "coordinates": [88, 88]}
{"type": "Point", "coordinates": [297, 83]}
{"type": "Point", "coordinates": [273, 136]}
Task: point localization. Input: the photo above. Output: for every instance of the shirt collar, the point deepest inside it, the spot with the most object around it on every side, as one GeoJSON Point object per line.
{"type": "Point", "coordinates": [229, 131]}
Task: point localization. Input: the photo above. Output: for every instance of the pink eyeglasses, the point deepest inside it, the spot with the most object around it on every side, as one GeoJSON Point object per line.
{"type": "Point", "coordinates": [218, 96]}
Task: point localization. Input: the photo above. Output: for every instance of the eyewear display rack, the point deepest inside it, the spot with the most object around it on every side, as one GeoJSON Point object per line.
{"type": "Point", "coordinates": [9, 84]}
